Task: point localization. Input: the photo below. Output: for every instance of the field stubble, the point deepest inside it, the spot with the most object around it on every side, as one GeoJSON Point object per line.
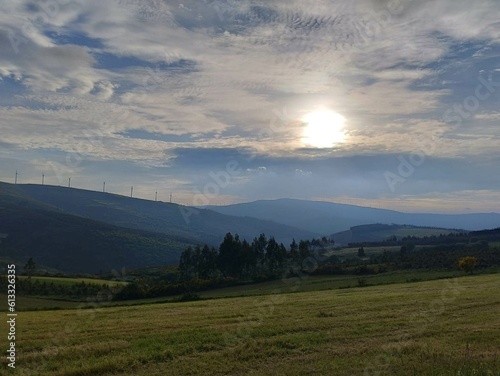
{"type": "Point", "coordinates": [442, 327]}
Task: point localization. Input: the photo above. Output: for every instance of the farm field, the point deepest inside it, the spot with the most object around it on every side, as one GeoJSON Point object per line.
{"type": "Point", "coordinates": [328, 282]}
{"type": "Point", "coordinates": [418, 232]}
{"type": "Point", "coordinates": [369, 251]}
{"type": "Point", "coordinates": [30, 303]}
{"type": "Point", "coordinates": [353, 251]}
{"type": "Point", "coordinates": [71, 281]}
{"type": "Point", "coordinates": [441, 327]}
{"type": "Point", "coordinates": [307, 283]}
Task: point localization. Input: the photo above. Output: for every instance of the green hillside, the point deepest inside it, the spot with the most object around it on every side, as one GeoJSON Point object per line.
{"type": "Point", "coordinates": [68, 243]}
{"type": "Point", "coordinates": [177, 221]}
{"type": "Point", "coordinates": [79, 231]}
{"type": "Point", "coordinates": [380, 232]}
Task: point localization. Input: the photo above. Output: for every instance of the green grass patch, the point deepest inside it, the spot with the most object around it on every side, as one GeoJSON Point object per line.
{"type": "Point", "coordinates": [369, 251]}
{"type": "Point", "coordinates": [328, 282]}
{"type": "Point", "coordinates": [71, 281]}
{"type": "Point", "coordinates": [28, 303]}
{"type": "Point", "coordinates": [308, 283]}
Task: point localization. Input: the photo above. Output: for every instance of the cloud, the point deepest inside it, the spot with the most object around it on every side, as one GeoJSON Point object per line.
{"type": "Point", "coordinates": [192, 85]}
{"type": "Point", "coordinates": [259, 169]}
{"type": "Point", "coordinates": [488, 116]}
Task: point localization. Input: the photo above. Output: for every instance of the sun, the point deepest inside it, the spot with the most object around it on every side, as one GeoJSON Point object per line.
{"type": "Point", "coordinates": [323, 129]}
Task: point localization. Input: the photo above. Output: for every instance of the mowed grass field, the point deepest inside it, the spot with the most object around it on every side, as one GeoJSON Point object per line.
{"type": "Point", "coordinates": [441, 327]}
{"type": "Point", "coordinates": [307, 283]}
{"type": "Point", "coordinates": [328, 282]}
{"type": "Point", "coordinates": [71, 281]}
{"type": "Point", "coordinates": [369, 251]}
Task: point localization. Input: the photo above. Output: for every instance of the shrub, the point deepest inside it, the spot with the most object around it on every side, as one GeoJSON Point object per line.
{"type": "Point", "coordinates": [362, 282]}
{"type": "Point", "coordinates": [189, 297]}
{"type": "Point", "coordinates": [467, 263]}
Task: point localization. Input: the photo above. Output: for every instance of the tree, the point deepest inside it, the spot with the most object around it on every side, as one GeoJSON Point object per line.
{"type": "Point", "coordinates": [186, 264]}
{"type": "Point", "coordinates": [248, 259]}
{"type": "Point", "coordinates": [315, 242]}
{"type": "Point", "coordinates": [259, 246]}
{"type": "Point", "coordinates": [30, 267]}
{"type": "Point", "coordinates": [208, 263]}
{"type": "Point", "coordinates": [230, 256]}
{"type": "Point", "coordinates": [403, 251]}
{"type": "Point", "coordinates": [467, 263]}
{"type": "Point", "coordinates": [272, 256]}
{"type": "Point", "coordinates": [304, 249]}
{"type": "Point", "coordinates": [410, 246]}
{"type": "Point", "coordinates": [294, 251]}
{"type": "Point", "coordinates": [361, 252]}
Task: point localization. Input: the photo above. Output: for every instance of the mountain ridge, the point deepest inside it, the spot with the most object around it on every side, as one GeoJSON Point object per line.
{"type": "Point", "coordinates": [206, 226]}
{"type": "Point", "coordinates": [329, 218]}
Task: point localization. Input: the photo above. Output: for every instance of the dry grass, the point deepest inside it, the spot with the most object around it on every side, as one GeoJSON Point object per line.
{"type": "Point", "coordinates": [444, 327]}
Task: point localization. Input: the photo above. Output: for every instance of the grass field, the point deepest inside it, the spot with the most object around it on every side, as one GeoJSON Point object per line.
{"type": "Point", "coordinates": [72, 281]}
{"type": "Point", "coordinates": [28, 303]}
{"type": "Point", "coordinates": [419, 232]}
{"type": "Point", "coordinates": [369, 251]}
{"type": "Point", "coordinates": [307, 283]}
{"type": "Point", "coordinates": [442, 327]}
{"type": "Point", "coordinates": [328, 282]}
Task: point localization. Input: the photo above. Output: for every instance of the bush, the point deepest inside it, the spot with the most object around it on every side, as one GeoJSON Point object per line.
{"type": "Point", "coordinates": [467, 263]}
{"type": "Point", "coordinates": [362, 282]}
{"type": "Point", "coordinates": [364, 270]}
{"type": "Point", "coordinates": [189, 297]}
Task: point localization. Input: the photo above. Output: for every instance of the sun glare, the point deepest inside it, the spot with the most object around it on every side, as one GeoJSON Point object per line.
{"type": "Point", "coordinates": [323, 129]}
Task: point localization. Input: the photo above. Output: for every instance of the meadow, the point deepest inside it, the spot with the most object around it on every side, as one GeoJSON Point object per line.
{"type": "Point", "coordinates": [440, 327]}
{"type": "Point", "coordinates": [369, 251]}
{"type": "Point", "coordinates": [72, 280]}
{"type": "Point", "coordinates": [307, 283]}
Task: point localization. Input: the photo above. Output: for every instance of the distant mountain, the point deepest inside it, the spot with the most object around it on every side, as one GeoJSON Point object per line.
{"type": "Point", "coordinates": [179, 222]}
{"type": "Point", "coordinates": [329, 218]}
{"type": "Point", "coordinates": [77, 230]}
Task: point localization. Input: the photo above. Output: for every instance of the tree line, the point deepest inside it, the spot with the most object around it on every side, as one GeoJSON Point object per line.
{"type": "Point", "coordinates": [441, 257]}
{"type": "Point", "coordinates": [263, 258]}
{"type": "Point", "coordinates": [238, 261]}
{"type": "Point", "coordinates": [234, 261]}
{"type": "Point", "coordinates": [36, 287]}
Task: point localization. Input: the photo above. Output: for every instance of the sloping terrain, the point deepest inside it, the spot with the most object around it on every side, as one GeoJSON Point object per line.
{"type": "Point", "coordinates": [68, 243]}
{"type": "Point", "coordinates": [382, 232]}
{"type": "Point", "coordinates": [177, 221]}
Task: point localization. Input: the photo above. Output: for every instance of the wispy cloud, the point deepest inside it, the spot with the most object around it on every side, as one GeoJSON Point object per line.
{"type": "Point", "coordinates": [137, 83]}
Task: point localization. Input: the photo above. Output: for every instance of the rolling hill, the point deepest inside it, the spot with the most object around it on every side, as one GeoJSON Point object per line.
{"type": "Point", "coordinates": [201, 226]}
{"type": "Point", "coordinates": [76, 230]}
{"type": "Point", "coordinates": [329, 218]}
{"type": "Point", "coordinates": [67, 243]}
{"type": "Point", "coordinates": [382, 232]}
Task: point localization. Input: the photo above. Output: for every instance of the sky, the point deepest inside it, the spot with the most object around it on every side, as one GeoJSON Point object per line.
{"type": "Point", "coordinates": [382, 103]}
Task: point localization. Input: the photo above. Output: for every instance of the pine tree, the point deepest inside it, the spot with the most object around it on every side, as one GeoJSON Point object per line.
{"type": "Point", "coordinates": [30, 268]}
